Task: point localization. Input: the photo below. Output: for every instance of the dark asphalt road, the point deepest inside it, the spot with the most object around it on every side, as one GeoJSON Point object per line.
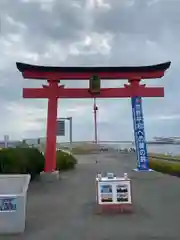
{"type": "Point", "coordinates": [66, 209]}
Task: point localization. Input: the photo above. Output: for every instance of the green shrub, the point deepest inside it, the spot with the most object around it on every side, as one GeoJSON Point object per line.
{"type": "Point", "coordinates": [11, 161]}
{"type": "Point", "coordinates": [165, 167]}
{"type": "Point", "coordinates": [31, 160]}
{"type": "Point", "coordinates": [34, 160]}
{"type": "Point", "coordinates": [21, 160]}
{"type": "Point", "coordinates": [65, 161]}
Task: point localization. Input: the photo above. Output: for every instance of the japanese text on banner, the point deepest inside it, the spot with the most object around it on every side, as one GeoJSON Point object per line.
{"type": "Point", "coordinates": [139, 128]}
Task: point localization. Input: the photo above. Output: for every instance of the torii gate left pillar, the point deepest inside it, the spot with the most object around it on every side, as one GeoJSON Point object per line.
{"type": "Point", "coordinates": [50, 154]}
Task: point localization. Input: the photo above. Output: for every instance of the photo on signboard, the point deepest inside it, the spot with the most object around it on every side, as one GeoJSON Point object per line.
{"type": "Point", "coordinates": [106, 188]}
{"type": "Point", "coordinates": [122, 188]}
{"type": "Point", "coordinates": [122, 198]}
{"type": "Point", "coordinates": [106, 193]}
{"type": "Point", "coordinates": [122, 193]}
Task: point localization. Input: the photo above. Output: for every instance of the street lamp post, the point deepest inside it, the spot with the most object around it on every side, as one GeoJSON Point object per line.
{"type": "Point", "coordinates": [95, 108]}
{"type": "Point", "coordinates": [70, 131]}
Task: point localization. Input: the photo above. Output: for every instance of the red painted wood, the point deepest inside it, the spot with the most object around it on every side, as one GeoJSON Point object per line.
{"type": "Point", "coordinates": [31, 74]}
{"type": "Point", "coordinates": [84, 93]}
{"type": "Point", "coordinates": [36, 92]}
{"type": "Point", "coordinates": [50, 153]}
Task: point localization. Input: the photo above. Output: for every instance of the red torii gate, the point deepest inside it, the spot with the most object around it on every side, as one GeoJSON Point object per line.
{"type": "Point", "coordinates": [53, 90]}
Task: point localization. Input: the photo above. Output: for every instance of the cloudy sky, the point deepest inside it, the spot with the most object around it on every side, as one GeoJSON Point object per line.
{"type": "Point", "coordinates": [91, 33]}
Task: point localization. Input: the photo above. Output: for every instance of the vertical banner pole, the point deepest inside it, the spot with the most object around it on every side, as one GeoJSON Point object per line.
{"type": "Point", "coordinates": [139, 135]}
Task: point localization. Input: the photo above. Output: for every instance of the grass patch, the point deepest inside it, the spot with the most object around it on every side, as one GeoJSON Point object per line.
{"type": "Point", "coordinates": [165, 167]}
{"type": "Point", "coordinates": [164, 156]}
{"type": "Point", "coordinates": [85, 149]}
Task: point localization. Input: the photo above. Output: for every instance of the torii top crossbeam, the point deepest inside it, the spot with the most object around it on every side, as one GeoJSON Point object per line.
{"type": "Point", "coordinates": [73, 73]}
{"type": "Point", "coordinates": [53, 74]}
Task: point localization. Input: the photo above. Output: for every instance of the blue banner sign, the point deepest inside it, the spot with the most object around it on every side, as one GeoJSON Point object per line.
{"type": "Point", "coordinates": [8, 204]}
{"type": "Point", "coordinates": [139, 134]}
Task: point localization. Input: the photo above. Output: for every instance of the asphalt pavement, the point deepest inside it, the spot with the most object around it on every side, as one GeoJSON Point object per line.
{"type": "Point", "coordinates": [65, 210]}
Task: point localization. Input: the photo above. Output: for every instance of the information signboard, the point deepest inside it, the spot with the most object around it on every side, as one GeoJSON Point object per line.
{"type": "Point", "coordinates": [140, 141]}
{"type": "Point", "coordinates": [113, 191]}
{"type": "Point", "coordinates": [60, 131]}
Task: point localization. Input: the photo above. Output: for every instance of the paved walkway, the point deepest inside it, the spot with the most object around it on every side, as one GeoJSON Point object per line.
{"type": "Point", "coordinates": [65, 210]}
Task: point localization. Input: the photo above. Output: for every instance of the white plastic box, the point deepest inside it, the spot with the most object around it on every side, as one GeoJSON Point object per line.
{"type": "Point", "coordinates": [13, 194]}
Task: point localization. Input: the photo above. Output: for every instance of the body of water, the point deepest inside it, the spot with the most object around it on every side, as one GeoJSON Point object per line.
{"type": "Point", "coordinates": [152, 148]}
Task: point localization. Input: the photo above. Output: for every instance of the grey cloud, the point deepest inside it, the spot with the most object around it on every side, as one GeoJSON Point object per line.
{"type": "Point", "coordinates": [62, 24]}
{"type": "Point", "coordinates": [140, 18]}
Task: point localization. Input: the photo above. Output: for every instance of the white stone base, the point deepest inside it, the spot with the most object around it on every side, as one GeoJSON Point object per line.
{"type": "Point", "coordinates": [49, 176]}
{"type": "Point", "coordinates": [148, 170]}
